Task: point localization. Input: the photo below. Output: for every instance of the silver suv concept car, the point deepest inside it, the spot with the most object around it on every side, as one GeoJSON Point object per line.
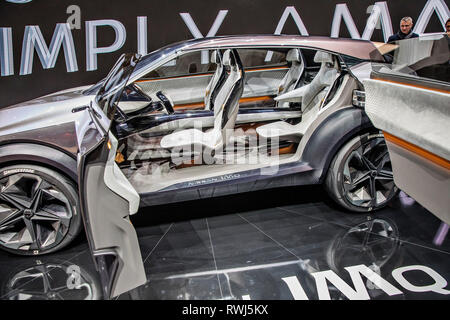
{"type": "Point", "coordinates": [200, 118]}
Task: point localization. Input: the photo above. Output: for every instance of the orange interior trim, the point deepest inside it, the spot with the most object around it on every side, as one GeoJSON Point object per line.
{"type": "Point", "coordinates": [208, 73]}
{"type": "Point", "coordinates": [196, 105]}
{"type": "Point", "coordinates": [201, 104]}
{"type": "Point", "coordinates": [268, 69]}
{"type": "Point", "coordinates": [176, 77]}
{"type": "Point", "coordinates": [286, 150]}
{"type": "Point", "coordinates": [249, 126]}
{"type": "Point", "coordinates": [417, 150]}
{"type": "Point", "coordinates": [254, 99]}
{"type": "Point", "coordinates": [414, 85]}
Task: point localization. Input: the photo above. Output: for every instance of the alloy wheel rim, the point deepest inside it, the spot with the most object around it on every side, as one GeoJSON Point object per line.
{"type": "Point", "coordinates": [51, 281]}
{"type": "Point", "coordinates": [368, 180]}
{"type": "Point", "coordinates": [34, 214]}
{"type": "Point", "coordinates": [375, 241]}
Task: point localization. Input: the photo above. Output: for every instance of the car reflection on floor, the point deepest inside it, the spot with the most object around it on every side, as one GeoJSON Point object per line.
{"type": "Point", "coordinates": [287, 244]}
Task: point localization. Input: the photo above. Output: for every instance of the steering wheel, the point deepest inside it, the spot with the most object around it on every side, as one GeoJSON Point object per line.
{"type": "Point", "coordinates": [130, 93]}
{"type": "Point", "coordinates": [166, 101]}
{"type": "Point", "coordinates": [120, 113]}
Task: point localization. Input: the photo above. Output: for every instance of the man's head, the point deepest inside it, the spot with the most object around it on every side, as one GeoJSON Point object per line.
{"type": "Point", "coordinates": [406, 24]}
{"type": "Point", "coordinates": [447, 26]}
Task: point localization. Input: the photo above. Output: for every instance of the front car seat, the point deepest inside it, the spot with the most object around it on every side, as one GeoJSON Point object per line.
{"type": "Point", "coordinates": [226, 107]}
{"type": "Point", "coordinates": [216, 81]}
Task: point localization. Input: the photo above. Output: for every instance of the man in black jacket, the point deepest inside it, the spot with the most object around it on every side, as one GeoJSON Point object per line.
{"type": "Point", "coordinates": [405, 31]}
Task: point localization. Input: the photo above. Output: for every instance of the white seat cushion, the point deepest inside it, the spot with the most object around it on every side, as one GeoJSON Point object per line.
{"type": "Point", "coordinates": [211, 139]}
{"type": "Point", "coordinates": [281, 128]}
{"type": "Point", "coordinates": [276, 129]}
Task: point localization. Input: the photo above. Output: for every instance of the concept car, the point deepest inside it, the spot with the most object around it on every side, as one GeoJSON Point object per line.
{"type": "Point", "coordinates": [200, 118]}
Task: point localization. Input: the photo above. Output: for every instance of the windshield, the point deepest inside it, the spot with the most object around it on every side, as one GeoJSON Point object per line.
{"type": "Point", "coordinates": [424, 57]}
{"type": "Point", "coordinates": [156, 56]}
{"type": "Point", "coordinates": [144, 63]}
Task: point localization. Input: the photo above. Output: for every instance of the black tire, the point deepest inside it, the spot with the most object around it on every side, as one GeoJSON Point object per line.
{"type": "Point", "coordinates": [364, 157]}
{"type": "Point", "coordinates": [40, 202]}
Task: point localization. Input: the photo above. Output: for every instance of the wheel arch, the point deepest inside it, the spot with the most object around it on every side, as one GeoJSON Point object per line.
{"type": "Point", "coordinates": [32, 153]}
{"type": "Point", "coordinates": [336, 130]}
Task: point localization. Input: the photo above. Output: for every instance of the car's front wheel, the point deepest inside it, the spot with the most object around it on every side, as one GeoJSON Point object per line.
{"type": "Point", "coordinates": [360, 176]}
{"type": "Point", "coordinates": [39, 210]}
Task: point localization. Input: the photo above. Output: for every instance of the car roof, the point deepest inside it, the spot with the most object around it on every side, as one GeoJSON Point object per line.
{"type": "Point", "coordinates": [362, 49]}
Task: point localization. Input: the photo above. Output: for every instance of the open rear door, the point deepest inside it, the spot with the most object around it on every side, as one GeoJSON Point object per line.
{"type": "Point", "coordinates": [106, 196]}
{"type": "Point", "coordinates": [409, 100]}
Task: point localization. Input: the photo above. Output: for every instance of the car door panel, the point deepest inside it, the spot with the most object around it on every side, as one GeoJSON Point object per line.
{"type": "Point", "coordinates": [420, 154]}
{"type": "Point", "coordinates": [106, 196]}
{"type": "Point", "coordinates": [112, 238]}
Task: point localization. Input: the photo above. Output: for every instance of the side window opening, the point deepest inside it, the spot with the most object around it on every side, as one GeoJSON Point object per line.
{"type": "Point", "coordinates": [351, 61]}
{"type": "Point", "coordinates": [311, 67]}
{"type": "Point", "coordinates": [264, 71]}
{"type": "Point", "coordinates": [262, 58]}
{"type": "Point", "coordinates": [183, 80]}
{"type": "Point", "coordinates": [188, 64]}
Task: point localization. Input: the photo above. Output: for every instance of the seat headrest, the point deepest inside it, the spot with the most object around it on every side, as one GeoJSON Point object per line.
{"type": "Point", "coordinates": [215, 57]}
{"type": "Point", "coordinates": [321, 57]}
{"type": "Point", "coordinates": [227, 58]}
{"type": "Point", "coordinates": [293, 55]}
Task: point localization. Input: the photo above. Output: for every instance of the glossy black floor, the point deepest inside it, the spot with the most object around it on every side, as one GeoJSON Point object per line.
{"type": "Point", "coordinates": [285, 244]}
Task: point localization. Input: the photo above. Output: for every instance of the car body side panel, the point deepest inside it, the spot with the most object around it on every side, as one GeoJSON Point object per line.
{"type": "Point", "coordinates": [38, 153]}
{"type": "Point", "coordinates": [291, 174]}
{"type": "Point", "coordinates": [330, 135]}
{"type": "Point", "coordinates": [59, 136]}
{"type": "Point", "coordinates": [42, 112]}
{"type": "Point", "coordinates": [335, 124]}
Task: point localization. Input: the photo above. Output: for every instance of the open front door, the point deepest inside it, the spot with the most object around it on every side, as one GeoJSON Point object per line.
{"type": "Point", "coordinates": [106, 196]}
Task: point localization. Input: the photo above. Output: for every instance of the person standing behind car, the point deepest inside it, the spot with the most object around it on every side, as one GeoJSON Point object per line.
{"type": "Point", "coordinates": [405, 31]}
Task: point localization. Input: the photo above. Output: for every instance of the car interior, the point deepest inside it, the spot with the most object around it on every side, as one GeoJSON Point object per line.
{"type": "Point", "coordinates": [242, 109]}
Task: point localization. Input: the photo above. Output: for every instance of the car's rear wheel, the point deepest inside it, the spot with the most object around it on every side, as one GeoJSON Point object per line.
{"type": "Point", "coordinates": [39, 210]}
{"type": "Point", "coordinates": [360, 176]}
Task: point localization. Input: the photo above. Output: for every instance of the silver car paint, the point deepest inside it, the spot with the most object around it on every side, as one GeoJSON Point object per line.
{"type": "Point", "coordinates": [51, 110]}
